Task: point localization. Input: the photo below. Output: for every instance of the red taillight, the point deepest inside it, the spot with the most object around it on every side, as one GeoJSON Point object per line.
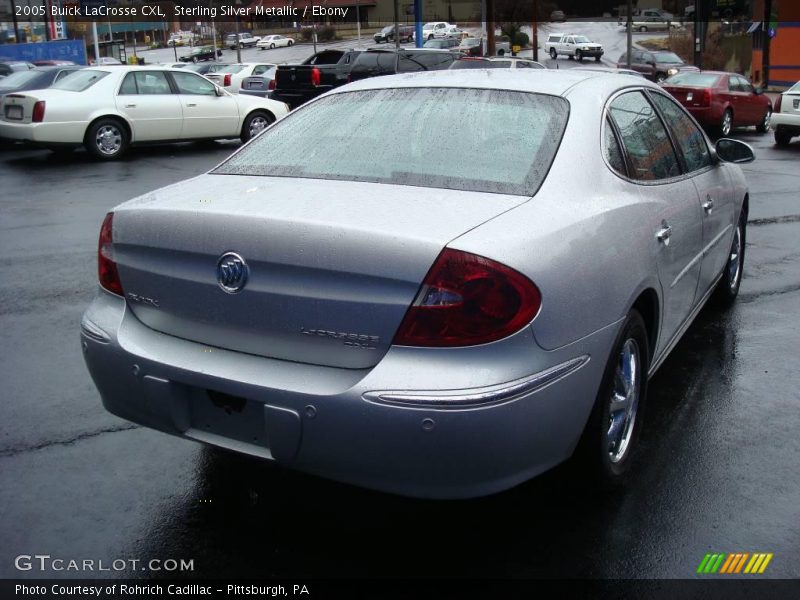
{"type": "Point", "coordinates": [777, 107]}
{"type": "Point", "coordinates": [107, 272]}
{"type": "Point", "coordinates": [466, 300]}
{"type": "Point", "coordinates": [706, 99]}
{"type": "Point", "coordinates": [316, 76]}
{"type": "Point", "coordinates": [38, 112]}
{"type": "Point", "coordinates": [227, 80]}
{"type": "Point", "coordinates": [349, 78]}
{"type": "Point", "coordinates": [271, 84]}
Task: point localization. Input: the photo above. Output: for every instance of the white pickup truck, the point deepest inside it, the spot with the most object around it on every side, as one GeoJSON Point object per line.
{"type": "Point", "coordinates": [438, 29]}
{"type": "Point", "coordinates": [573, 46]}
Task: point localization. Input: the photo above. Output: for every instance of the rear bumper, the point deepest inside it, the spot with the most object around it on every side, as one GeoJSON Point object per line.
{"type": "Point", "coordinates": [785, 120]}
{"type": "Point", "coordinates": [44, 134]}
{"type": "Point", "coordinates": [594, 52]}
{"type": "Point", "coordinates": [353, 425]}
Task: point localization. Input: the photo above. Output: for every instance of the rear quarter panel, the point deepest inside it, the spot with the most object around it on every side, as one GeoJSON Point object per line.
{"type": "Point", "coordinates": [582, 239]}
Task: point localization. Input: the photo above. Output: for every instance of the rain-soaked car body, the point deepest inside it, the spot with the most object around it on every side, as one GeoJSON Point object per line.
{"type": "Point", "coordinates": [429, 325]}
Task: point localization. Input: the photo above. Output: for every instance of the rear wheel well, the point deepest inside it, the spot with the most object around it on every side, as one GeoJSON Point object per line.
{"type": "Point", "coordinates": [746, 206]}
{"type": "Point", "coordinates": [647, 306]}
{"type": "Point", "coordinates": [116, 118]}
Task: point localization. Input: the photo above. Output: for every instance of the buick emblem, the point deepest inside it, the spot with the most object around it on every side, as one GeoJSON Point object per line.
{"type": "Point", "coordinates": [232, 272]}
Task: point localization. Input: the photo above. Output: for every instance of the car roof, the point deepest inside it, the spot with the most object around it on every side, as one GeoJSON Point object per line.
{"type": "Point", "coordinates": [544, 81]}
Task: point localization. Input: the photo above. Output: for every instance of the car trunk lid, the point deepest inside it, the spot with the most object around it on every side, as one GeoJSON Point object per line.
{"type": "Point", "coordinates": [333, 265]}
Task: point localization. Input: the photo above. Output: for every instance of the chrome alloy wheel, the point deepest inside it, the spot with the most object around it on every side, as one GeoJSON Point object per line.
{"type": "Point", "coordinates": [624, 401]}
{"type": "Point", "coordinates": [258, 124]}
{"type": "Point", "coordinates": [727, 121]}
{"type": "Point", "coordinates": [766, 122]}
{"type": "Point", "coordinates": [734, 260]}
{"type": "Point", "coordinates": [109, 140]}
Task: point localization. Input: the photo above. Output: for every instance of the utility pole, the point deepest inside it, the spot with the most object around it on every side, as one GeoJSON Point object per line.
{"type": "Point", "coordinates": [238, 43]}
{"type": "Point", "coordinates": [765, 30]}
{"type": "Point", "coordinates": [535, 30]}
{"type": "Point", "coordinates": [629, 28]}
{"type": "Point", "coordinates": [96, 45]}
{"type": "Point", "coordinates": [491, 47]}
{"type": "Point", "coordinates": [397, 27]}
{"type": "Point", "coordinates": [358, 23]}
{"type": "Point", "coordinates": [14, 19]}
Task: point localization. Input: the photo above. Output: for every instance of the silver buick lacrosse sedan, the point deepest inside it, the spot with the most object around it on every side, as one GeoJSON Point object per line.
{"type": "Point", "coordinates": [343, 297]}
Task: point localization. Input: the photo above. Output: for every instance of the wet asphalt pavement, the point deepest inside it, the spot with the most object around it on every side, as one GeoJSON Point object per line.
{"type": "Point", "coordinates": [719, 467]}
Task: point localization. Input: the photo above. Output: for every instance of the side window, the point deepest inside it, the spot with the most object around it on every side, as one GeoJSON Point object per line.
{"type": "Point", "coordinates": [62, 74]}
{"type": "Point", "coordinates": [260, 69]}
{"type": "Point", "coordinates": [435, 60]}
{"type": "Point", "coordinates": [152, 82]}
{"type": "Point", "coordinates": [128, 86]}
{"type": "Point", "coordinates": [733, 84]}
{"type": "Point", "coordinates": [521, 64]}
{"type": "Point", "coordinates": [638, 56]}
{"type": "Point", "coordinates": [195, 85]}
{"type": "Point", "coordinates": [745, 86]}
{"type": "Point", "coordinates": [612, 150]}
{"type": "Point", "coordinates": [648, 58]}
{"type": "Point", "coordinates": [690, 140]}
{"type": "Point", "coordinates": [644, 137]}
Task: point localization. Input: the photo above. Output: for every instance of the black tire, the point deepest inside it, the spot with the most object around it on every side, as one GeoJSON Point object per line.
{"type": "Point", "coordinates": [241, 45]}
{"type": "Point", "coordinates": [578, 55]}
{"type": "Point", "coordinates": [106, 139]}
{"type": "Point", "coordinates": [596, 59]}
{"type": "Point", "coordinates": [728, 286]}
{"type": "Point", "coordinates": [430, 36]}
{"type": "Point", "coordinates": [660, 77]}
{"type": "Point", "coordinates": [570, 57]}
{"type": "Point", "coordinates": [272, 46]}
{"type": "Point", "coordinates": [194, 59]}
{"type": "Point", "coordinates": [782, 137]}
{"type": "Point", "coordinates": [291, 43]}
{"type": "Point", "coordinates": [726, 123]}
{"type": "Point", "coordinates": [553, 53]}
{"type": "Point", "coordinates": [763, 126]}
{"type": "Point", "coordinates": [248, 129]}
{"type": "Point", "coordinates": [643, 29]}
{"type": "Point", "coordinates": [501, 52]}
{"type": "Point", "coordinates": [598, 456]}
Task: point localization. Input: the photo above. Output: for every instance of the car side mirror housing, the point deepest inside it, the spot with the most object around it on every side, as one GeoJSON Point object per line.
{"type": "Point", "coordinates": [218, 90]}
{"type": "Point", "coordinates": [759, 91]}
{"type": "Point", "coordinates": [734, 151]}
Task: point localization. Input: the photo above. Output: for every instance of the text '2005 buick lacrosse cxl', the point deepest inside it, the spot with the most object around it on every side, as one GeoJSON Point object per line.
{"type": "Point", "coordinates": [343, 298]}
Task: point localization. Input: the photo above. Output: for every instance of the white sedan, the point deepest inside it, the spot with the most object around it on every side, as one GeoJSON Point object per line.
{"type": "Point", "coordinates": [274, 41]}
{"type": "Point", "coordinates": [106, 109]}
{"type": "Point", "coordinates": [786, 115]}
{"type": "Point", "coordinates": [231, 76]}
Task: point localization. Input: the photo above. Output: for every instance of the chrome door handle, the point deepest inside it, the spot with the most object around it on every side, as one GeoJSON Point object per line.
{"type": "Point", "coordinates": [708, 205]}
{"type": "Point", "coordinates": [191, 104]}
{"type": "Point", "coordinates": [130, 106]}
{"type": "Point", "coordinates": [663, 234]}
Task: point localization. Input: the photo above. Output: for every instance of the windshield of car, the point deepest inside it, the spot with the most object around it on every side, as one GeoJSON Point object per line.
{"type": "Point", "coordinates": [19, 78]}
{"type": "Point", "coordinates": [794, 88]}
{"type": "Point", "coordinates": [470, 42]}
{"type": "Point", "coordinates": [80, 80]}
{"type": "Point", "coordinates": [703, 80]}
{"type": "Point", "coordinates": [230, 69]}
{"type": "Point", "coordinates": [387, 29]}
{"type": "Point", "coordinates": [668, 57]}
{"type": "Point", "coordinates": [512, 135]}
{"type": "Point", "coordinates": [581, 39]}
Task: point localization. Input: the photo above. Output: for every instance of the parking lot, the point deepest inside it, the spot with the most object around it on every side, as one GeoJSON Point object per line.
{"type": "Point", "coordinates": [718, 469]}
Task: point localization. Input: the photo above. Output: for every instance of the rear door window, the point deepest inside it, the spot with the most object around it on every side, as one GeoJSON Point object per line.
{"type": "Point", "coordinates": [690, 140]}
{"type": "Point", "coordinates": [646, 142]}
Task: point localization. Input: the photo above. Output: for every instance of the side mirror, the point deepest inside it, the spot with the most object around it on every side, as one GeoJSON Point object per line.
{"type": "Point", "coordinates": [734, 151]}
{"type": "Point", "coordinates": [759, 91]}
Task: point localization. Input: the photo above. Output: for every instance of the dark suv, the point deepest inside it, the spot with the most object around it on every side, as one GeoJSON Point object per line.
{"type": "Point", "coordinates": [387, 34]}
{"type": "Point", "coordinates": [389, 62]}
{"type": "Point", "coordinates": [655, 65]}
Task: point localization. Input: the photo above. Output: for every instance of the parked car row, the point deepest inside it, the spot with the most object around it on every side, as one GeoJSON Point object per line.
{"type": "Point", "coordinates": [108, 109]}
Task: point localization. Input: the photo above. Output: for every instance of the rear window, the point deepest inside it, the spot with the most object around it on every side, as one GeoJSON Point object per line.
{"type": "Point", "coordinates": [230, 69]}
{"type": "Point", "coordinates": [703, 80]}
{"type": "Point", "coordinates": [512, 135]}
{"type": "Point", "coordinates": [80, 80]}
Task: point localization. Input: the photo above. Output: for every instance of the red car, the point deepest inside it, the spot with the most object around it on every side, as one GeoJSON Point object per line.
{"type": "Point", "coordinates": [721, 101]}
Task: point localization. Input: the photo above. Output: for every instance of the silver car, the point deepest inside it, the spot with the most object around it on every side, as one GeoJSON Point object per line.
{"type": "Point", "coordinates": [341, 297]}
